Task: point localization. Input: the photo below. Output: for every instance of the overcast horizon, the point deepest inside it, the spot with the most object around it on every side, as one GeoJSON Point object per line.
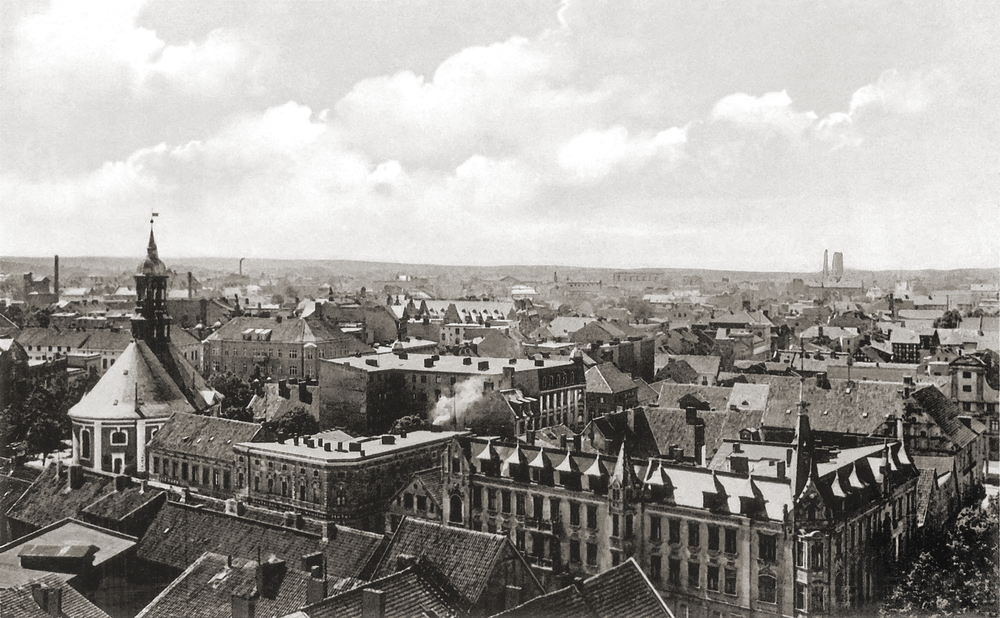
{"type": "Point", "coordinates": [711, 135]}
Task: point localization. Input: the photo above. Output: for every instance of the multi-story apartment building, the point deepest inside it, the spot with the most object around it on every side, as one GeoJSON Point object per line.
{"type": "Point", "coordinates": [970, 388]}
{"type": "Point", "coordinates": [795, 523]}
{"type": "Point", "coordinates": [345, 482]}
{"type": "Point", "coordinates": [277, 347]}
{"type": "Point", "coordinates": [368, 394]}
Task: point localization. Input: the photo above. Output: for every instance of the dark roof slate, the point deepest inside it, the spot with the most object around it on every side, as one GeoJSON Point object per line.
{"type": "Point", "coordinates": [465, 557]}
{"type": "Point", "coordinates": [118, 505]}
{"type": "Point", "coordinates": [606, 378]}
{"type": "Point", "coordinates": [179, 531]}
{"type": "Point", "coordinates": [19, 603]}
{"type": "Point", "coordinates": [50, 498]}
{"type": "Point", "coordinates": [202, 436]}
{"type": "Point", "coordinates": [945, 413]}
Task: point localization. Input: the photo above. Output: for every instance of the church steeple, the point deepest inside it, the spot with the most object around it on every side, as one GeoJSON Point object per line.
{"type": "Point", "coordinates": [151, 322]}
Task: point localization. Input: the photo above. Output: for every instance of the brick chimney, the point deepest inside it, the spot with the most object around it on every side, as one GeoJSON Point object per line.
{"type": "Point", "coordinates": [372, 603]}
{"type": "Point", "coordinates": [243, 607]}
{"type": "Point", "coordinates": [75, 476]}
{"type": "Point", "coordinates": [48, 599]}
{"type": "Point", "coordinates": [268, 578]}
{"type": "Point", "coordinates": [55, 278]}
{"type": "Point", "coordinates": [316, 588]}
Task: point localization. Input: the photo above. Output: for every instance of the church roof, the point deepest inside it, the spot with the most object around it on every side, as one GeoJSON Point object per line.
{"type": "Point", "coordinates": [137, 386]}
{"type": "Point", "coordinates": [152, 265]}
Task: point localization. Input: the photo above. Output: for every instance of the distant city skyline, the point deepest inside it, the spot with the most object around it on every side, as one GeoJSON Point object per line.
{"type": "Point", "coordinates": [470, 132]}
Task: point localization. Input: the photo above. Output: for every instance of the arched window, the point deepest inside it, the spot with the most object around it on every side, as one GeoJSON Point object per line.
{"type": "Point", "coordinates": [85, 444]}
{"type": "Point", "coordinates": [456, 509]}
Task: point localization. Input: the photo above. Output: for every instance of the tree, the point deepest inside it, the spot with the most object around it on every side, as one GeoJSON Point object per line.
{"type": "Point", "coordinates": [957, 573]}
{"type": "Point", "coordinates": [412, 422]}
{"type": "Point", "coordinates": [640, 309]}
{"type": "Point", "coordinates": [37, 421]}
{"type": "Point", "coordinates": [237, 394]}
{"type": "Point", "coordinates": [295, 422]}
{"type": "Point", "coordinates": [949, 319]}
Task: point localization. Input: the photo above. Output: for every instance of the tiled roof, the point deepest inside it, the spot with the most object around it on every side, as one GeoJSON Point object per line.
{"type": "Point", "coordinates": [50, 499]}
{"type": "Point", "coordinates": [945, 413]}
{"type": "Point", "coordinates": [433, 482]}
{"type": "Point", "coordinates": [704, 365]}
{"type": "Point", "coordinates": [624, 591]}
{"type": "Point", "coordinates": [606, 378]}
{"type": "Point", "coordinates": [205, 590]}
{"type": "Point", "coordinates": [180, 532]}
{"type": "Point", "coordinates": [288, 330]}
{"type": "Point", "coordinates": [18, 602]}
{"type": "Point", "coordinates": [120, 504]}
{"type": "Point", "coordinates": [137, 386]}
{"type": "Point", "coordinates": [669, 426]}
{"type": "Point", "coordinates": [415, 592]}
{"type": "Point", "coordinates": [749, 396]}
{"type": "Point", "coordinates": [203, 436]}
{"type": "Point", "coordinates": [466, 557]}
{"type": "Point", "coordinates": [716, 396]}
{"type": "Point", "coordinates": [646, 394]}
{"type": "Point", "coordinates": [272, 406]}
{"type": "Point", "coordinates": [860, 408]}
{"type": "Point", "coordinates": [620, 592]}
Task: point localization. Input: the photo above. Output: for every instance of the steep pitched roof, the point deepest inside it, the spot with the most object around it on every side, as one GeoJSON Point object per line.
{"type": "Point", "coordinates": [945, 413]}
{"type": "Point", "coordinates": [466, 557]}
{"type": "Point", "coordinates": [270, 406]}
{"type": "Point", "coordinates": [205, 590]}
{"type": "Point", "coordinates": [203, 436]}
{"type": "Point", "coordinates": [848, 408]}
{"type": "Point", "coordinates": [50, 498]}
{"type": "Point", "coordinates": [19, 602]}
{"type": "Point", "coordinates": [179, 532]}
{"type": "Point", "coordinates": [670, 394]}
{"type": "Point", "coordinates": [606, 378]}
{"type": "Point", "coordinates": [120, 504]}
{"type": "Point", "coordinates": [137, 386]}
{"type": "Point", "coordinates": [620, 591]}
{"type": "Point", "coordinates": [415, 592]}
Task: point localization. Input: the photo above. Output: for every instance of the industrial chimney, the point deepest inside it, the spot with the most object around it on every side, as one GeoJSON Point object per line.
{"type": "Point", "coordinates": [55, 278]}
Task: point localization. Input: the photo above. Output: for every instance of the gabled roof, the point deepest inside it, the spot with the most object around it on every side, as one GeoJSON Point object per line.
{"type": "Point", "coordinates": [202, 436]}
{"type": "Point", "coordinates": [670, 394]}
{"type": "Point", "coordinates": [945, 413]}
{"type": "Point", "coordinates": [270, 406]}
{"type": "Point", "coordinates": [415, 592]}
{"type": "Point", "coordinates": [703, 365]}
{"type": "Point", "coordinates": [137, 386]}
{"type": "Point", "coordinates": [50, 498]}
{"type": "Point", "coordinates": [118, 505]}
{"type": "Point", "coordinates": [860, 407]}
{"type": "Point", "coordinates": [606, 378]}
{"type": "Point", "coordinates": [19, 602]}
{"type": "Point", "coordinates": [205, 590]}
{"type": "Point", "coordinates": [466, 557]}
{"type": "Point", "coordinates": [179, 532]}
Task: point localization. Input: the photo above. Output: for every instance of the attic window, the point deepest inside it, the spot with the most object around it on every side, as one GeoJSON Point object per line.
{"type": "Point", "coordinates": [125, 373]}
{"type": "Point", "coordinates": [115, 403]}
{"type": "Point", "coordinates": [864, 415]}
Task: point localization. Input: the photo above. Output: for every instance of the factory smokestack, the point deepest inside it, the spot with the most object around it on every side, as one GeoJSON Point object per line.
{"type": "Point", "coordinates": [826, 263]}
{"type": "Point", "coordinates": [55, 278]}
{"type": "Point", "coordinates": [190, 286]}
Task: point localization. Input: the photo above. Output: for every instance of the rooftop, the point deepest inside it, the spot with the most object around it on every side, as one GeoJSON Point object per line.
{"type": "Point", "coordinates": [447, 364]}
{"type": "Point", "coordinates": [315, 447]}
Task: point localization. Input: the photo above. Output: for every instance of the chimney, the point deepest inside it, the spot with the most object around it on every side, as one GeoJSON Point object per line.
{"type": "Point", "coordinates": [304, 395]}
{"type": "Point", "coordinates": [122, 481]}
{"type": "Point", "coordinates": [75, 476]}
{"type": "Point", "coordinates": [55, 278]}
{"type": "Point", "coordinates": [484, 365]}
{"type": "Point", "coordinates": [190, 286]}
{"type": "Point", "coordinates": [268, 577]}
{"type": "Point", "coordinates": [316, 586]}
{"type": "Point", "coordinates": [562, 441]}
{"type": "Point", "coordinates": [467, 360]}
{"type": "Point", "coordinates": [48, 599]}
{"type": "Point", "coordinates": [737, 447]}
{"type": "Point", "coordinates": [577, 440]}
{"type": "Point", "coordinates": [531, 437]}
{"type": "Point", "coordinates": [781, 470]}
{"type": "Point", "coordinates": [699, 444]}
{"type": "Point", "coordinates": [329, 531]}
{"type": "Point", "coordinates": [739, 464]}
{"type": "Point", "coordinates": [243, 607]}
{"type": "Point", "coordinates": [691, 415]}
{"type": "Point", "coordinates": [372, 603]}
{"type": "Point", "coordinates": [283, 391]}
{"type": "Point", "coordinates": [428, 362]}
{"type": "Point", "coordinates": [511, 597]}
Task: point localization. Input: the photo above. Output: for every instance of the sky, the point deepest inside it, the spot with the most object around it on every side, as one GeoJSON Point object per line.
{"type": "Point", "coordinates": [729, 134]}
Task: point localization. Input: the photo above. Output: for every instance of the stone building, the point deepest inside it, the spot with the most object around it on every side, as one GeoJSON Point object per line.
{"type": "Point", "coordinates": [150, 381]}
{"type": "Point", "coordinates": [323, 476]}
{"type": "Point", "coordinates": [368, 394]}
{"type": "Point", "coordinates": [782, 522]}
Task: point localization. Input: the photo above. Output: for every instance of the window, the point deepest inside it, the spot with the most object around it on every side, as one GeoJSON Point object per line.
{"type": "Point", "coordinates": [85, 444]}
{"type": "Point", "coordinates": [674, 571]}
{"type": "Point", "coordinates": [817, 556]}
{"type": "Point", "coordinates": [712, 580]}
{"type": "Point", "coordinates": [767, 589]}
{"type": "Point", "coordinates": [675, 531]}
{"type": "Point", "coordinates": [204, 476]}
{"type": "Point", "coordinates": [194, 474]}
{"type": "Point", "coordinates": [614, 525]}
{"type": "Point", "coordinates": [694, 574]}
{"type": "Point", "coordinates": [156, 465]}
{"type": "Point", "coordinates": [800, 596]}
{"type": "Point", "coordinates": [730, 582]}
{"type": "Point", "coordinates": [119, 437]}
{"type": "Point", "coordinates": [694, 534]}
{"type": "Point", "coordinates": [519, 504]}
{"type": "Point", "coordinates": [816, 601]}
{"type": "Point", "coordinates": [184, 471]}
{"type": "Point", "coordinates": [730, 541]}
{"type": "Point", "coordinates": [421, 503]}
{"type": "Point", "coordinates": [768, 547]}
{"type": "Point", "coordinates": [574, 514]}
{"type": "Point", "coordinates": [592, 517]}
{"type": "Point", "coordinates": [967, 388]}
{"type": "Point", "coordinates": [477, 499]}
{"type": "Point", "coordinates": [800, 553]}
{"type": "Point", "coordinates": [574, 551]}
{"type": "Point", "coordinates": [505, 501]}
{"type": "Point", "coordinates": [456, 465]}
{"type": "Point", "coordinates": [491, 499]}
{"type": "Point", "coordinates": [227, 481]}
{"type": "Point", "coordinates": [628, 526]}
{"type": "Point", "coordinates": [654, 528]}
{"type": "Point", "coordinates": [519, 540]}
{"type": "Point", "coordinates": [654, 568]}
{"type": "Point", "coordinates": [966, 374]}
{"type": "Point", "coordinates": [591, 554]}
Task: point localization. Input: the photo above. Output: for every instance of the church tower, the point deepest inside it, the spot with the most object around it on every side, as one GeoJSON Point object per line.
{"type": "Point", "coordinates": [151, 323]}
